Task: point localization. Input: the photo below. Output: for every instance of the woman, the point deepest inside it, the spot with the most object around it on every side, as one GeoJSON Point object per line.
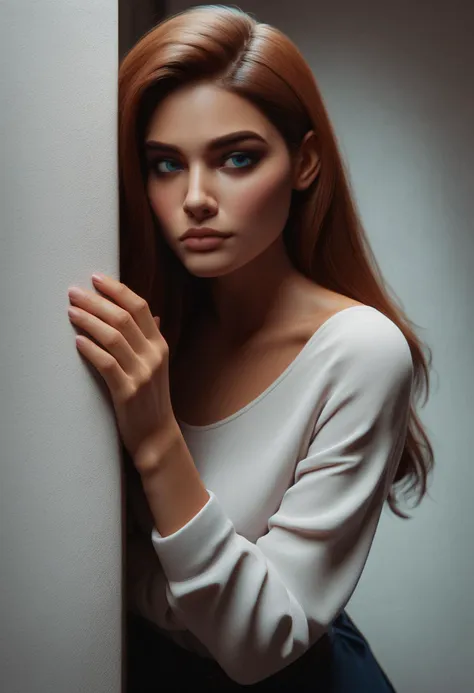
{"type": "Point", "coordinates": [292, 373]}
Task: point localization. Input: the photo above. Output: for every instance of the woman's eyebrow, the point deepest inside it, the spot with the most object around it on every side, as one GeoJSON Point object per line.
{"type": "Point", "coordinates": [216, 143]}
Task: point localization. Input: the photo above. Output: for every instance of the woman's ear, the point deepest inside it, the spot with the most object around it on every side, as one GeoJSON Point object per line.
{"type": "Point", "coordinates": [307, 163]}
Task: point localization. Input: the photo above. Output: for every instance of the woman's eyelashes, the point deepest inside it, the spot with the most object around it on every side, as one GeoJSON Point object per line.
{"type": "Point", "coordinates": [238, 160]}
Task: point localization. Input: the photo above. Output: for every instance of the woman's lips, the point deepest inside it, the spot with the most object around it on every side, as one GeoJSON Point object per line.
{"type": "Point", "coordinates": [204, 243]}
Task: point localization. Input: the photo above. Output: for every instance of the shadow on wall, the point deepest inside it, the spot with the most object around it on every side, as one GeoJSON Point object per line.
{"type": "Point", "coordinates": [135, 19]}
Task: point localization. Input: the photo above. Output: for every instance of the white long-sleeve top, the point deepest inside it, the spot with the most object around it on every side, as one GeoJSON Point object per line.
{"type": "Point", "coordinates": [297, 480]}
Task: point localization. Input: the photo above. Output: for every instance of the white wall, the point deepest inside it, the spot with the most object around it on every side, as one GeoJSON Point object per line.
{"type": "Point", "coordinates": [398, 81]}
{"type": "Point", "coordinates": [60, 482]}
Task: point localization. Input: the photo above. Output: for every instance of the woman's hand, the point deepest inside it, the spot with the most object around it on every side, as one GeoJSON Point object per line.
{"type": "Point", "coordinates": [133, 360]}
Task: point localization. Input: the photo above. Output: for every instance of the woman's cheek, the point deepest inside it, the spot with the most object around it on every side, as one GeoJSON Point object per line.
{"type": "Point", "coordinates": [268, 198]}
{"type": "Point", "coordinates": [162, 206]}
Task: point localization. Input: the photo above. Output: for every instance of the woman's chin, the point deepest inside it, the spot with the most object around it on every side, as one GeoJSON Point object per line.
{"type": "Point", "coordinates": [207, 267]}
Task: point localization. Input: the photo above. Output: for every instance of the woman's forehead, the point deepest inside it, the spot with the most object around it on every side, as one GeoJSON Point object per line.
{"type": "Point", "coordinates": [204, 112]}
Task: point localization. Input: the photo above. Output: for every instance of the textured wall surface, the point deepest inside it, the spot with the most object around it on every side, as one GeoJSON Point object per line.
{"type": "Point", "coordinates": [60, 482]}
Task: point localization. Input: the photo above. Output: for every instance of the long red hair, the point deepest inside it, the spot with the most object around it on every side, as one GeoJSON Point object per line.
{"type": "Point", "coordinates": [323, 236]}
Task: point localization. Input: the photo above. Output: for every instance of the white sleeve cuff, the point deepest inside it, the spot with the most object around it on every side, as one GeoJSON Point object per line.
{"type": "Point", "coordinates": [191, 549]}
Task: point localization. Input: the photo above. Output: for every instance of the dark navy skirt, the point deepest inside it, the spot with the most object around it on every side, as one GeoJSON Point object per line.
{"type": "Point", "coordinates": [340, 662]}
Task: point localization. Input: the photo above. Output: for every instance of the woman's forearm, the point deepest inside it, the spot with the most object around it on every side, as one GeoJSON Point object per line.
{"type": "Point", "coordinates": [173, 486]}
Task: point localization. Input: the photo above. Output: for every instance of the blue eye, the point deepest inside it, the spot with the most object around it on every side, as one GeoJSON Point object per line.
{"type": "Point", "coordinates": [239, 157]}
{"type": "Point", "coordinates": [239, 160]}
{"type": "Point", "coordinates": [158, 163]}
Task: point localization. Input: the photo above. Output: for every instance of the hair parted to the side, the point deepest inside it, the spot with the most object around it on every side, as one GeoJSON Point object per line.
{"type": "Point", "coordinates": [323, 236]}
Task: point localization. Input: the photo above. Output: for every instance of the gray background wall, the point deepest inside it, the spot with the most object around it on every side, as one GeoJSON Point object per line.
{"type": "Point", "coordinates": [397, 78]}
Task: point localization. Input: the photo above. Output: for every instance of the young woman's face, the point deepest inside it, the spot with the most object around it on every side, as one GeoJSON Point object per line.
{"type": "Point", "coordinates": [242, 187]}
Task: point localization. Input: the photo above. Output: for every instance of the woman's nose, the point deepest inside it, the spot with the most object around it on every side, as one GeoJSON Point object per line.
{"type": "Point", "coordinates": [199, 200]}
